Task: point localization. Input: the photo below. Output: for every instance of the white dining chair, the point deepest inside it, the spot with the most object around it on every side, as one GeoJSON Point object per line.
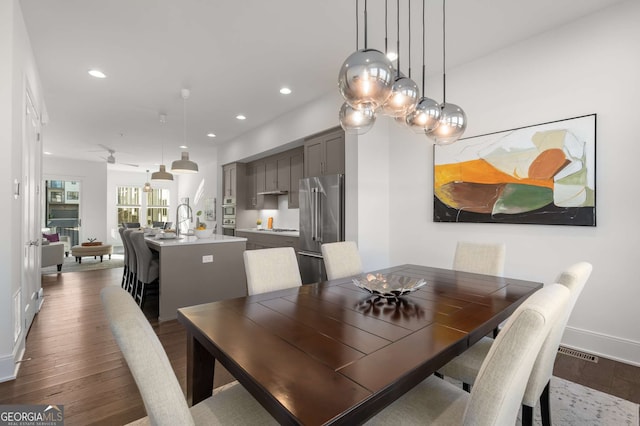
{"type": "Point", "coordinates": [501, 381]}
{"type": "Point", "coordinates": [341, 259]}
{"type": "Point", "coordinates": [480, 258]}
{"type": "Point", "coordinates": [271, 269]}
{"type": "Point", "coordinates": [466, 366]}
{"type": "Point", "coordinates": [161, 393]}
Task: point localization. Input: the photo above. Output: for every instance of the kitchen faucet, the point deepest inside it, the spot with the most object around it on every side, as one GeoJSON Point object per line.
{"type": "Point", "coordinates": [180, 220]}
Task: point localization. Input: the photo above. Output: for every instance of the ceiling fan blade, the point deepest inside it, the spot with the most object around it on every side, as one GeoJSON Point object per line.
{"type": "Point", "coordinates": [110, 150]}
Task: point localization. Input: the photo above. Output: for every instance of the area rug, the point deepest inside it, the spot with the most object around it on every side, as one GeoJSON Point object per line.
{"type": "Point", "coordinates": [88, 264]}
{"type": "Point", "coordinates": [571, 405]}
{"type": "Point", "coordinates": [576, 405]}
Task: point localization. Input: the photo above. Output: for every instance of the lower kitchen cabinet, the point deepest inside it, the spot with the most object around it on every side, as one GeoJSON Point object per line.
{"type": "Point", "coordinates": [267, 239]}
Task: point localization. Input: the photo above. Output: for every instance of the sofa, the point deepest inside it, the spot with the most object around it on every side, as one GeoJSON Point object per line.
{"type": "Point", "coordinates": [52, 254]}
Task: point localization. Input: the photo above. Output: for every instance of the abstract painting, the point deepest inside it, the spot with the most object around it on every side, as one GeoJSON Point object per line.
{"type": "Point", "coordinates": [540, 174]}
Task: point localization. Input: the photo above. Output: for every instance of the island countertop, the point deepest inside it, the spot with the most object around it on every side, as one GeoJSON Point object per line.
{"type": "Point", "coordinates": [188, 240]}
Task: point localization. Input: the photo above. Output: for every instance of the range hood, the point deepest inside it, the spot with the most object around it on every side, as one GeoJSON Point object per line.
{"type": "Point", "coordinates": [274, 192]}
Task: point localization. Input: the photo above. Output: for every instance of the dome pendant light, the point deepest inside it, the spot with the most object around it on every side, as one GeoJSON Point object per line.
{"type": "Point", "coordinates": [162, 174]}
{"type": "Point", "coordinates": [147, 185]}
{"type": "Point", "coordinates": [184, 165]}
{"type": "Point", "coordinates": [426, 116]}
{"type": "Point", "coordinates": [453, 120]}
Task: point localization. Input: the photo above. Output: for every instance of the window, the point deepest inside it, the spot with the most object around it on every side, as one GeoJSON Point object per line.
{"type": "Point", "coordinates": [157, 206]}
{"type": "Point", "coordinates": [128, 204]}
{"type": "Point", "coordinates": [143, 207]}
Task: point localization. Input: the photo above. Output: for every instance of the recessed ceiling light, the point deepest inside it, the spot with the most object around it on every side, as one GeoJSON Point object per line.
{"type": "Point", "coordinates": [285, 91]}
{"type": "Point", "coordinates": [183, 147]}
{"type": "Point", "coordinates": [211, 135]}
{"type": "Point", "coordinates": [47, 153]}
{"type": "Point", "coordinates": [392, 56]}
{"type": "Point", "coordinates": [97, 74]}
{"type": "Point", "coordinates": [241, 117]}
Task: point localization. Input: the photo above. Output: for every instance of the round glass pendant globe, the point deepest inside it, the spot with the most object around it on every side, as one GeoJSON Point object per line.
{"type": "Point", "coordinates": [425, 117]}
{"type": "Point", "coordinates": [356, 121]}
{"type": "Point", "coordinates": [453, 123]}
{"type": "Point", "coordinates": [365, 78]}
{"type": "Point", "coordinates": [403, 98]}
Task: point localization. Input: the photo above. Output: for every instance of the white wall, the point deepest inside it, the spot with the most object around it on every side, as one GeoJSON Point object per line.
{"type": "Point", "coordinates": [17, 73]}
{"type": "Point", "coordinates": [585, 67]}
{"type": "Point", "coordinates": [205, 183]}
{"type": "Point", "coordinates": [92, 176]}
{"type": "Point", "coordinates": [588, 66]}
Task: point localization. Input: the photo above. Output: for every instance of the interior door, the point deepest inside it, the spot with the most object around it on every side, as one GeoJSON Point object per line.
{"type": "Point", "coordinates": [31, 232]}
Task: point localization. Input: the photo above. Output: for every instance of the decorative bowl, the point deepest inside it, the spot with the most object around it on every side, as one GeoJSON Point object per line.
{"type": "Point", "coordinates": [388, 285]}
{"type": "Point", "coordinates": [204, 233]}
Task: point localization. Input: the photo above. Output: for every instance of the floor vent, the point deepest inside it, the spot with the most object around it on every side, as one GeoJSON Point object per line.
{"type": "Point", "coordinates": [578, 354]}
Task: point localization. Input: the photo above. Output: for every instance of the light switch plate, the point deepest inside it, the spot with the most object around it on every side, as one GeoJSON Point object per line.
{"type": "Point", "coordinates": [207, 259]}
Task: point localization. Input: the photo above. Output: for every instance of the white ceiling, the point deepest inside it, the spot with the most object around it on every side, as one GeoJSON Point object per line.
{"type": "Point", "coordinates": [234, 56]}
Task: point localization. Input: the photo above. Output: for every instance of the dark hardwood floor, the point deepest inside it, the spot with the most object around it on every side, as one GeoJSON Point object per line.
{"type": "Point", "coordinates": [73, 360]}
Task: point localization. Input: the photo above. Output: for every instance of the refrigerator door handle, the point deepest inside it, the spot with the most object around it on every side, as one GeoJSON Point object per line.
{"type": "Point", "coordinates": [310, 254]}
{"type": "Point", "coordinates": [314, 214]}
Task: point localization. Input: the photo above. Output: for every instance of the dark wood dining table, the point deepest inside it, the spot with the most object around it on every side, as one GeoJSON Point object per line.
{"type": "Point", "coordinates": [331, 353]}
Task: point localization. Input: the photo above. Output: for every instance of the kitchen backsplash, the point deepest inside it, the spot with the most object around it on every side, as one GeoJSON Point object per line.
{"type": "Point", "coordinates": [284, 217]}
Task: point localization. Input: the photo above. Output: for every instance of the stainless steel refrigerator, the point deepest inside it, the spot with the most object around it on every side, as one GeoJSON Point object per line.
{"type": "Point", "coordinates": [321, 221]}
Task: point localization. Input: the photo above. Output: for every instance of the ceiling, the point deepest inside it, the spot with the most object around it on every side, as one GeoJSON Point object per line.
{"type": "Point", "coordinates": [234, 56]}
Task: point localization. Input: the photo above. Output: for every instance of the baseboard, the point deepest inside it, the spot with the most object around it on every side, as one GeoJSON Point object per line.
{"type": "Point", "coordinates": [611, 347]}
{"type": "Point", "coordinates": [8, 365]}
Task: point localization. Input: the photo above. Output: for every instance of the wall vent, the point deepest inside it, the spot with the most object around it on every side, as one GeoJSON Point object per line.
{"type": "Point", "coordinates": [578, 354]}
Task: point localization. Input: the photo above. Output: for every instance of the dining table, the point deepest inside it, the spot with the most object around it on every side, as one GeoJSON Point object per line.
{"type": "Point", "coordinates": [333, 353]}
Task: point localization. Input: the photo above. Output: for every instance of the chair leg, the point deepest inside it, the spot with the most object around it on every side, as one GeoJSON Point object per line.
{"type": "Point", "coordinates": [466, 387]}
{"type": "Point", "coordinates": [545, 408]}
{"type": "Point", "coordinates": [527, 415]}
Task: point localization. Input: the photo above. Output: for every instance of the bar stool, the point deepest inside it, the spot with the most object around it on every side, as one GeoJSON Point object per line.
{"type": "Point", "coordinates": [125, 273]}
{"type": "Point", "coordinates": [148, 267]}
{"type": "Point", "coordinates": [132, 276]}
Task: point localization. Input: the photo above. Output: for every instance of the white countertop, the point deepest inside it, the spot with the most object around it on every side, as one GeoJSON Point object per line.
{"type": "Point", "coordinates": [270, 232]}
{"type": "Point", "coordinates": [191, 240]}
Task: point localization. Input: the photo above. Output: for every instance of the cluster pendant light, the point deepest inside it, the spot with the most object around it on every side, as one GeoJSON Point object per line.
{"type": "Point", "coordinates": [370, 85]}
{"type": "Point", "coordinates": [162, 174]}
{"type": "Point", "coordinates": [184, 165]}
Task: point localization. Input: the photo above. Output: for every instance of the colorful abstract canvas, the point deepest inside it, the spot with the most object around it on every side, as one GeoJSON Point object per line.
{"type": "Point", "coordinates": [541, 174]}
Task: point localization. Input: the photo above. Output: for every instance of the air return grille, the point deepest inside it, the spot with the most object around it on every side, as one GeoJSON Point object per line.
{"type": "Point", "coordinates": [578, 354]}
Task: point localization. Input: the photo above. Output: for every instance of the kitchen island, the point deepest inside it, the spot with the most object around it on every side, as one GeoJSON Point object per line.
{"type": "Point", "coordinates": [195, 271]}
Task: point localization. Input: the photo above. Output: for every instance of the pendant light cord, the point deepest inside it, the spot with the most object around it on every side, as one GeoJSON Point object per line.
{"type": "Point", "coordinates": [409, 42]}
{"type": "Point", "coordinates": [185, 120]}
{"type": "Point", "coordinates": [398, 34]}
{"type": "Point", "coordinates": [357, 27]}
{"type": "Point", "coordinates": [444, 53]}
{"type": "Point", "coordinates": [386, 38]}
{"type": "Point", "coordinates": [424, 43]}
{"type": "Point", "coordinates": [365, 24]}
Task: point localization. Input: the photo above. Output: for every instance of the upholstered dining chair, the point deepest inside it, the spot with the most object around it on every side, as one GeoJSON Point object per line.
{"type": "Point", "coordinates": [148, 270]}
{"type": "Point", "coordinates": [161, 393]}
{"type": "Point", "coordinates": [465, 367]}
{"type": "Point", "coordinates": [480, 258]}
{"type": "Point", "coordinates": [341, 259]}
{"type": "Point", "coordinates": [125, 273]}
{"type": "Point", "coordinates": [132, 277]}
{"type": "Point", "coordinates": [501, 381]}
{"type": "Point", "coordinates": [271, 269]}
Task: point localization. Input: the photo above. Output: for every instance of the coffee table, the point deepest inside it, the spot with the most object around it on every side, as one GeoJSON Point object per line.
{"type": "Point", "coordinates": [98, 250]}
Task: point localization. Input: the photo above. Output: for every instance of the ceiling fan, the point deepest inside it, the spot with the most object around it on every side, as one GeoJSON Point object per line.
{"type": "Point", "coordinates": [111, 159]}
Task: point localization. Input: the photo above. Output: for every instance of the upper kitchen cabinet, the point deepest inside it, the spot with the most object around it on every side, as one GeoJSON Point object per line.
{"type": "Point", "coordinates": [324, 154]}
{"type": "Point", "coordinates": [297, 173]}
{"type": "Point", "coordinates": [233, 178]}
